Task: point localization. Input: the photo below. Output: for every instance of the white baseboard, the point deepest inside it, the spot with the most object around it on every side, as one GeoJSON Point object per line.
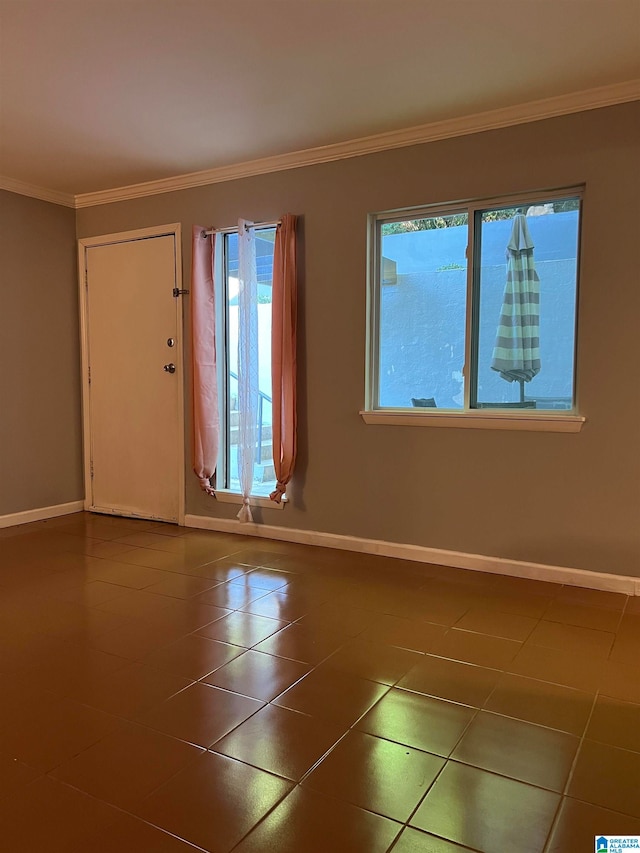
{"type": "Point", "coordinates": [40, 513]}
{"type": "Point", "coordinates": [456, 559]}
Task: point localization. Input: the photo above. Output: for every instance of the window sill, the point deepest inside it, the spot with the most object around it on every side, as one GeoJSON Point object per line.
{"type": "Point", "coordinates": [257, 501]}
{"type": "Point", "coordinates": [540, 422]}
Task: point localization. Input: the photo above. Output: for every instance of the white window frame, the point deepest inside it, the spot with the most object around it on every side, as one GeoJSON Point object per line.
{"type": "Point", "coordinates": [531, 420]}
{"type": "Point", "coordinates": [222, 475]}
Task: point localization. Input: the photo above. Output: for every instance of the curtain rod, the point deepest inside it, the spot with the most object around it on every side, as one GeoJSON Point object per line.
{"type": "Point", "coordinates": [274, 224]}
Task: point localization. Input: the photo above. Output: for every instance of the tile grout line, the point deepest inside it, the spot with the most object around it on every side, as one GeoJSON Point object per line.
{"type": "Point", "coordinates": [574, 764]}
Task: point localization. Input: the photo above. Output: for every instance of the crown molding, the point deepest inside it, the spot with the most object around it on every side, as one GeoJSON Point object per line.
{"type": "Point", "coordinates": [21, 188]}
{"type": "Point", "coordinates": [589, 99]}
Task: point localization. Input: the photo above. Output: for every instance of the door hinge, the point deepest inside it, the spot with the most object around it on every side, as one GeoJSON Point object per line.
{"type": "Point", "coordinates": [89, 375]}
{"type": "Point", "coordinates": [91, 469]}
{"type": "Point", "coordinates": [177, 292]}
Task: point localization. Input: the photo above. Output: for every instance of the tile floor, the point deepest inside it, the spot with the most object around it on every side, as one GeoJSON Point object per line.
{"type": "Point", "coordinates": [168, 690]}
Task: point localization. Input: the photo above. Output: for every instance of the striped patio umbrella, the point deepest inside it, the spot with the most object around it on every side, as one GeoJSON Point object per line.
{"type": "Point", "coordinates": [516, 354]}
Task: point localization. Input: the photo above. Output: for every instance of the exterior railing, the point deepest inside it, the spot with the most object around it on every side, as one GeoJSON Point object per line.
{"type": "Point", "coordinates": [262, 398]}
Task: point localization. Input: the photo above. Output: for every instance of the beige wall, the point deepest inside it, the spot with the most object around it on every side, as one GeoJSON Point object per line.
{"type": "Point", "coordinates": [571, 500]}
{"type": "Point", "coordinates": [40, 423]}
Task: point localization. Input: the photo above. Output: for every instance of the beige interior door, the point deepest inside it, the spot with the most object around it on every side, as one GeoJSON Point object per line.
{"type": "Point", "coordinates": [133, 383]}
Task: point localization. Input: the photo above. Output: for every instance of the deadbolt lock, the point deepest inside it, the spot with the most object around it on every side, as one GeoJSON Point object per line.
{"type": "Point", "coordinates": [170, 342]}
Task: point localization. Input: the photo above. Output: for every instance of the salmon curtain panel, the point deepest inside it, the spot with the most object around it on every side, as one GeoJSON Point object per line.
{"type": "Point", "coordinates": [206, 420]}
{"type": "Point", "coordinates": [283, 353]}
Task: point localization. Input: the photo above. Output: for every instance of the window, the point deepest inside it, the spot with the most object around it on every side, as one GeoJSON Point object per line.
{"type": "Point", "coordinates": [472, 308]}
{"type": "Point", "coordinates": [264, 478]}
{"type": "Point", "coordinates": [244, 284]}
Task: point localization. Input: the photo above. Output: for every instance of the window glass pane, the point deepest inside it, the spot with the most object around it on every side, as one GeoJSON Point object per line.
{"type": "Point", "coordinates": [527, 305]}
{"type": "Point", "coordinates": [422, 306]}
{"type": "Point", "coordinates": [264, 473]}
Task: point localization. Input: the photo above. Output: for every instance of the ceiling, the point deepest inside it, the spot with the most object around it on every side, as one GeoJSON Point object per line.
{"type": "Point", "coordinates": [97, 94]}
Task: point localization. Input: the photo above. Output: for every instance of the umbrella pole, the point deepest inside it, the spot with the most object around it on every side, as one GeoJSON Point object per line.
{"type": "Point", "coordinates": [521, 381]}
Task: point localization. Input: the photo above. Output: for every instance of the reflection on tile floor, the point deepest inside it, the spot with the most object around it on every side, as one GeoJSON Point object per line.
{"type": "Point", "coordinates": [167, 690]}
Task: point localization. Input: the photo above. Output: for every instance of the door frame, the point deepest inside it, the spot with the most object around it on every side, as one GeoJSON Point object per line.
{"type": "Point", "coordinates": [173, 230]}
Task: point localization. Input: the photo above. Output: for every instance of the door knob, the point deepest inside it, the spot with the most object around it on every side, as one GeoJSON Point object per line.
{"type": "Point", "coordinates": [169, 368]}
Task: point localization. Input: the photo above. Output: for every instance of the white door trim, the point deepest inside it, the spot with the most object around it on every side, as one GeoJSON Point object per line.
{"type": "Point", "coordinates": [174, 230]}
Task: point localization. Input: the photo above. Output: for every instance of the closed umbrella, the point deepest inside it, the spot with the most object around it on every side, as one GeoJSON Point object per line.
{"type": "Point", "coordinates": [516, 354]}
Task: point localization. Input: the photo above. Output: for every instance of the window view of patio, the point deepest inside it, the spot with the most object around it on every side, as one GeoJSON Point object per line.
{"type": "Point", "coordinates": [475, 307]}
{"type": "Point", "coordinates": [423, 312]}
{"type": "Point", "coordinates": [264, 475]}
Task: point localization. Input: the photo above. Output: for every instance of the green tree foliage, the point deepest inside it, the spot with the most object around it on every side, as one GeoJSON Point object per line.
{"type": "Point", "coordinates": [424, 224]}
{"type": "Point", "coordinates": [566, 204]}
{"type": "Point", "coordinates": [434, 222]}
